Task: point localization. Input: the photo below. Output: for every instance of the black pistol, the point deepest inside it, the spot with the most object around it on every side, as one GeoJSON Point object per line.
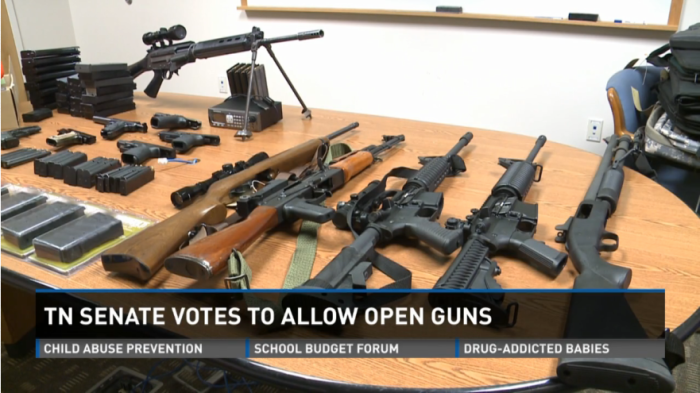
{"type": "Point", "coordinates": [70, 137]}
{"type": "Point", "coordinates": [174, 122]}
{"type": "Point", "coordinates": [137, 152]}
{"type": "Point", "coordinates": [10, 138]}
{"type": "Point", "coordinates": [114, 128]}
{"type": "Point", "coordinates": [184, 141]}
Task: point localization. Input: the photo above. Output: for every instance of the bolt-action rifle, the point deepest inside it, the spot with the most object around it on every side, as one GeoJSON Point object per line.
{"type": "Point", "coordinates": [142, 255]}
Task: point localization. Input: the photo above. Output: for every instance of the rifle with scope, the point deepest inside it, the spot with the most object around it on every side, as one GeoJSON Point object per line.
{"type": "Point", "coordinates": [166, 57]}
{"type": "Point", "coordinates": [379, 216]}
{"type": "Point", "coordinates": [280, 201]}
{"type": "Point", "coordinates": [503, 224]}
{"type": "Point", "coordinates": [143, 254]}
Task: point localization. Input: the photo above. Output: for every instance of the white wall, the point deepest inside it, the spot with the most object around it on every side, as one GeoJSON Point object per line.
{"type": "Point", "coordinates": [41, 24]}
{"type": "Point", "coordinates": [525, 78]}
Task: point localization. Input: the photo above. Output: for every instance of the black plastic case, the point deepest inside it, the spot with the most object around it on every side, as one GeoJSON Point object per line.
{"type": "Point", "coordinates": [21, 229]}
{"type": "Point", "coordinates": [69, 242]}
{"type": "Point", "coordinates": [13, 205]}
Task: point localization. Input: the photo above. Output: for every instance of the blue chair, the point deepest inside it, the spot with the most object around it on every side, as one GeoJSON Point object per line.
{"type": "Point", "coordinates": [681, 181]}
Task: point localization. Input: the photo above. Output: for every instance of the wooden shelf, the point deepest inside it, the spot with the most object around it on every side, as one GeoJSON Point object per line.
{"type": "Point", "coordinates": [504, 18]}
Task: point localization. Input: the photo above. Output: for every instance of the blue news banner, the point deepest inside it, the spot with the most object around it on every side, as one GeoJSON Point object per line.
{"type": "Point", "coordinates": [349, 324]}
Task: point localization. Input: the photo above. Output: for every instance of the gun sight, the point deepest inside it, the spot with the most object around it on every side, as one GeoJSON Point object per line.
{"type": "Point", "coordinates": [175, 33]}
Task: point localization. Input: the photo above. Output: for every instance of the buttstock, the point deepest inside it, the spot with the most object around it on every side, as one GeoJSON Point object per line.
{"type": "Point", "coordinates": [354, 163]}
{"type": "Point", "coordinates": [138, 68]}
{"type": "Point", "coordinates": [141, 256]}
{"type": "Point", "coordinates": [210, 255]}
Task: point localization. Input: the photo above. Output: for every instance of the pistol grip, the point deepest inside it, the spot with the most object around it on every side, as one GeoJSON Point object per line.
{"type": "Point", "coordinates": [435, 235]}
{"type": "Point", "coordinates": [542, 257]}
{"type": "Point", "coordinates": [154, 86]}
{"type": "Point", "coordinates": [300, 209]}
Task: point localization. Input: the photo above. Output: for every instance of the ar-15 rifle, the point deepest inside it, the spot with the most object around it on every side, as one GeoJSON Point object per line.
{"type": "Point", "coordinates": [504, 224]}
{"type": "Point", "coordinates": [165, 58]}
{"type": "Point", "coordinates": [279, 202]}
{"type": "Point", "coordinates": [143, 254]}
{"type": "Point", "coordinates": [377, 215]}
{"type": "Point", "coordinates": [583, 235]}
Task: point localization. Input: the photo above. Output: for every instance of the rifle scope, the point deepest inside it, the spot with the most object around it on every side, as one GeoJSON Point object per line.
{"type": "Point", "coordinates": [175, 33]}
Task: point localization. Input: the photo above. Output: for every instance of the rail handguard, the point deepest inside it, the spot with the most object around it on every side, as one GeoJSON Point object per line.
{"type": "Point", "coordinates": [504, 224]}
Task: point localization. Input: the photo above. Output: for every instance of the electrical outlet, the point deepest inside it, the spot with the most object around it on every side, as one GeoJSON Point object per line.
{"type": "Point", "coordinates": [223, 88]}
{"type": "Point", "coordinates": [595, 130]}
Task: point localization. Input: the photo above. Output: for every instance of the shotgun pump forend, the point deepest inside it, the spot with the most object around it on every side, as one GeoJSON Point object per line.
{"type": "Point", "coordinates": [504, 224]}
{"type": "Point", "coordinates": [280, 202]}
{"type": "Point", "coordinates": [186, 195]}
{"type": "Point", "coordinates": [377, 215]}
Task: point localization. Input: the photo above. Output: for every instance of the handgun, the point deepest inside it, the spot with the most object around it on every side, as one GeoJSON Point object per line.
{"type": "Point", "coordinates": [10, 138]}
{"type": "Point", "coordinates": [137, 152]}
{"type": "Point", "coordinates": [69, 137]}
{"type": "Point", "coordinates": [114, 128]}
{"type": "Point", "coordinates": [184, 141]}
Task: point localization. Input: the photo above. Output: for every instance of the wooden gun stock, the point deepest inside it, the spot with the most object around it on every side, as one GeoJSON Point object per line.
{"type": "Point", "coordinates": [210, 255]}
{"type": "Point", "coordinates": [353, 163]}
{"type": "Point", "coordinates": [142, 255]}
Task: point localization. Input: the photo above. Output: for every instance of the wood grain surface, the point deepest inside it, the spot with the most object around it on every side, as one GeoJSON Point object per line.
{"type": "Point", "coordinates": [659, 235]}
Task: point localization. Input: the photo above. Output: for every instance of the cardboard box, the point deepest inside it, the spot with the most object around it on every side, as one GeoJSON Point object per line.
{"type": "Point", "coordinates": [10, 115]}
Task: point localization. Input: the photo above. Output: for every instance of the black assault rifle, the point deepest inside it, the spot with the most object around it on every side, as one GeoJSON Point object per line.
{"type": "Point", "coordinates": [504, 224]}
{"type": "Point", "coordinates": [165, 58]}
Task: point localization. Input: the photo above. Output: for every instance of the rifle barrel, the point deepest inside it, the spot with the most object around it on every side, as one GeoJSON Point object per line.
{"type": "Point", "coordinates": [343, 130]}
{"type": "Point", "coordinates": [535, 150]}
{"type": "Point", "coordinates": [305, 35]}
{"type": "Point", "coordinates": [389, 142]}
{"type": "Point", "coordinates": [463, 141]}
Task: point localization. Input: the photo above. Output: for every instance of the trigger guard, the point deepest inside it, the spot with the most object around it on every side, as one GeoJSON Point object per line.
{"type": "Point", "coordinates": [609, 247]}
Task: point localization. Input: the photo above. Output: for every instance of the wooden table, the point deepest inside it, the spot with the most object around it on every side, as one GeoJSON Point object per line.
{"type": "Point", "coordinates": [659, 235]}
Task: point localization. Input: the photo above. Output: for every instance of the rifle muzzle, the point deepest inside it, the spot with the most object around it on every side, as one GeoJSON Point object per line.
{"type": "Point", "coordinates": [308, 35]}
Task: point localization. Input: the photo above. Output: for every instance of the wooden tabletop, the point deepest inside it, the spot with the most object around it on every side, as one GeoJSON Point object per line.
{"type": "Point", "coordinates": [659, 234]}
